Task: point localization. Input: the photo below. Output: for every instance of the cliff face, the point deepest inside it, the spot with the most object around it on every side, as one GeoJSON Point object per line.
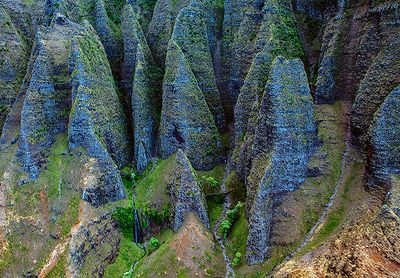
{"type": "Point", "coordinates": [274, 125]}
{"type": "Point", "coordinates": [283, 143]}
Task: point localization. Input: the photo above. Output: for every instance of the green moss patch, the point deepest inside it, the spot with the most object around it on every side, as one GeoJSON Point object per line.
{"type": "Point", "coordinates": [128, 254]}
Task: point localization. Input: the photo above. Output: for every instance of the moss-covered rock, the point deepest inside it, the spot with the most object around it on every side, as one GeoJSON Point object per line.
{"type": "Point", "coordinates": [109, 36]}
{"type": "Point", "coordinates": [325, 85]}
{"type": "Point", "coordinates": [139, 81]}
{"type": "Point", "coordinates": [385, 139]}
{"type": "Point", "coordinates": [277, 36]}
{"type": "Point", "coordinates": [97, 126]}
{"type": "Point", "coordinates": [162, 25]}
{"type": "Point", "coordinates": [93, 246]}
{"type": "Point", "coordinates": [192, 36]}
{"type": "Point", "coordinates": [284, 141]}
{"type": "Point", "coordinates": [382, 77]}
{"type": "Point", "coordinates": [13, 61]}
{"type": "Point", "coordinates": [186, 121]}
{"type": "Point", "coordinates": [45, 108]}
{"type": "Point", "coordinates": [186, 195]}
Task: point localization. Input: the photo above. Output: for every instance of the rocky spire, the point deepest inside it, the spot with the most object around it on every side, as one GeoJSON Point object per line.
{"type": "Point", "coordinates": [106, 34]}
{"type": "Point", "coordinates": [162, 25]}
{"type": "Point", "coordinates": [185, 193]}
{"type": "Point", "coordinates": [385, 140]}
{"type": "Point", "coordinates": [284, 141]}
{"type": "Point", "coordinates": [97, 127]}
{"type": "Point", "coordinates": [186, 121]}
{"type": "Point", "coordinates": [197, 51]}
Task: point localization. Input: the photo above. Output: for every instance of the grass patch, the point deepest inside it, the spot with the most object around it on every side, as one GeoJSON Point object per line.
{"type": "Point", "coordinates": [128, 253]}
{"type": "Point", "coordinates": [214, 211]}
{"type": "Point", "coordinates": [237, 239]}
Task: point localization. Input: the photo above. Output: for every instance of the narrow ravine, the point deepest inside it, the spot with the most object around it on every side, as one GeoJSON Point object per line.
{"type": "Point", "coordinates": [227, 203]}
{"type": "Point", "coordinates": [340, 183]}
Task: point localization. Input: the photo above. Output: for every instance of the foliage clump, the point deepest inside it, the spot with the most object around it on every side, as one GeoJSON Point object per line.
{"type": "Point", "coordinates": [232, 216]}
{"type": "Point", "coordinates": [238, 259]}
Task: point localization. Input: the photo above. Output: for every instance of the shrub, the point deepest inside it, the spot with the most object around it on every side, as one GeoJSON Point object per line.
{"type": "Point", "coordinates": [237, 260]}
{"type": "Point", "coordinates": [154, 243]}
{"type": "Point", "coordinates": [210, 181]}
{"type": "Point", "coordinates": [232, 215]}
{"type": "Point", "coordinates": [225, 227]}
{"type": "Point", "coordinates": [124, 217]}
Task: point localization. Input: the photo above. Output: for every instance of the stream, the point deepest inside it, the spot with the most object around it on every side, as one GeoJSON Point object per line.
{"type": "Point", "coordinates": [227, 203]}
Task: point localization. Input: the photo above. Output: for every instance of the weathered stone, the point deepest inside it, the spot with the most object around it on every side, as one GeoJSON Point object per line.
{"type": "Point", "coordinates": [97, 126]}
{"type": "Point", "coordinates": [185, 193]}
{"type": "Point", "coordinates": [106, 34]}
{"type": "Point", "coordinates": [240, 27]}
{"type": "Point", "coordinates": [162, 25]}
{"type": "Point", "coordinates": [13, 61]}
{"type": "Point", "coordinates": [190, 34]}
{"type": "Point", "coordinates": [186, 121]}
{"type": "Point", "coordinates": [385, 139]}
{"type": "Point", "coordinates": [284, 141]}
{"type": "Point", "coordinates": [138, 78]}
{"type": "Point", "coordinates": [144, 112]}
{"type": "Point", "coordinates": [277, 36]}
{"type": "Point", "coordinates": [133, 36]}
{"type": "Point", "coordinates": [93, 246]}
{"type": "Point", "coordinates": [382, 76]}
{"type": "Point", "coordinates": [47, 100]}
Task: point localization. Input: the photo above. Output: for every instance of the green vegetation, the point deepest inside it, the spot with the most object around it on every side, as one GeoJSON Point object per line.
{"type": "Point", "coordinates": [128, 253]}
{"type": "Point", "coordinates": [60, 268]}
{"type": "Point", "coordinates": [209, 181]}
{"type": "Point", "coordinates": [152, 199]}
{"type": "Point", "coordinates": [214, 211]}
{"type": "Point", "coordinates": [124, 217]}
{"type": "Point", "coordinates": [232, 216]}
{"type": "Point", "coordinates": [154, 243]}
{"type": "Point", "coordinates": [237, 239]}
{"type": "Point", "coordinates": [238, 259]}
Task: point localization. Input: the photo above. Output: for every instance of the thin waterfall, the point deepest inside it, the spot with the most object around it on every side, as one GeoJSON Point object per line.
{"type": "Point", "coordinates": [137, 227]}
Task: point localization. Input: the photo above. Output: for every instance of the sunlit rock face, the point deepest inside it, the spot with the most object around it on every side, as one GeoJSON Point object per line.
{"type": "Point", "coordinates": [191, 35]}
{"type": "Point", "coordinates": [47, 99]}
{"type": "Point", "coordinates": [138, 81]}
{"type": "Point", "coordinates": [13, 61]}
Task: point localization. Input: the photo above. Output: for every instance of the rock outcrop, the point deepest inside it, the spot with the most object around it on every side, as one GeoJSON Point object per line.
{"type": "Point", "coordinates": [382, 76]}
{"type": "Point", "coordinates": [185, 194]}
{"type": "Point", "coordinates": [385, 139]}
{"type": "Point", "coordinates": [277, 36]}
{"type": "Point", "coordinates": [97, 126]}
{"type": "Point", "coordinates": [162, 25]}
{"type": "Point", "coordinates": [138, 74]}
{"type": "Point", "coordinates": [107, 35]}
{"type": "Point", "coordinates": [13, 62]}
{"type": "Point", "coordinates": [186, 121]}
{"type": "Point", "coordinates": [47, 101]}
{"type": "Point", "coordinates": [192, 36]}
{"type": "Point", "coordinates": [93, 246]}
{"type": "Point", "coordinates": [284, 141]}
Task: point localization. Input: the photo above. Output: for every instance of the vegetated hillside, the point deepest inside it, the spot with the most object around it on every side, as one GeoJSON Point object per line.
{"type": "Point", "coordinates": [210, 138]}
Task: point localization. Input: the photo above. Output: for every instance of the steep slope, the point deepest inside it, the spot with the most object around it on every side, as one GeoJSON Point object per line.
{"type": "Point", "coordinates": [186, 120]}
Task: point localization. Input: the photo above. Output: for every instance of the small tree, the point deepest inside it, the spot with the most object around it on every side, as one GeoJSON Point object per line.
{"type": "Point", "coordinates": [154, 243]}
{"type": "Point", "coordinates": [237, 260]}
{"type": "Point", "coordinates": [225, 227]}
